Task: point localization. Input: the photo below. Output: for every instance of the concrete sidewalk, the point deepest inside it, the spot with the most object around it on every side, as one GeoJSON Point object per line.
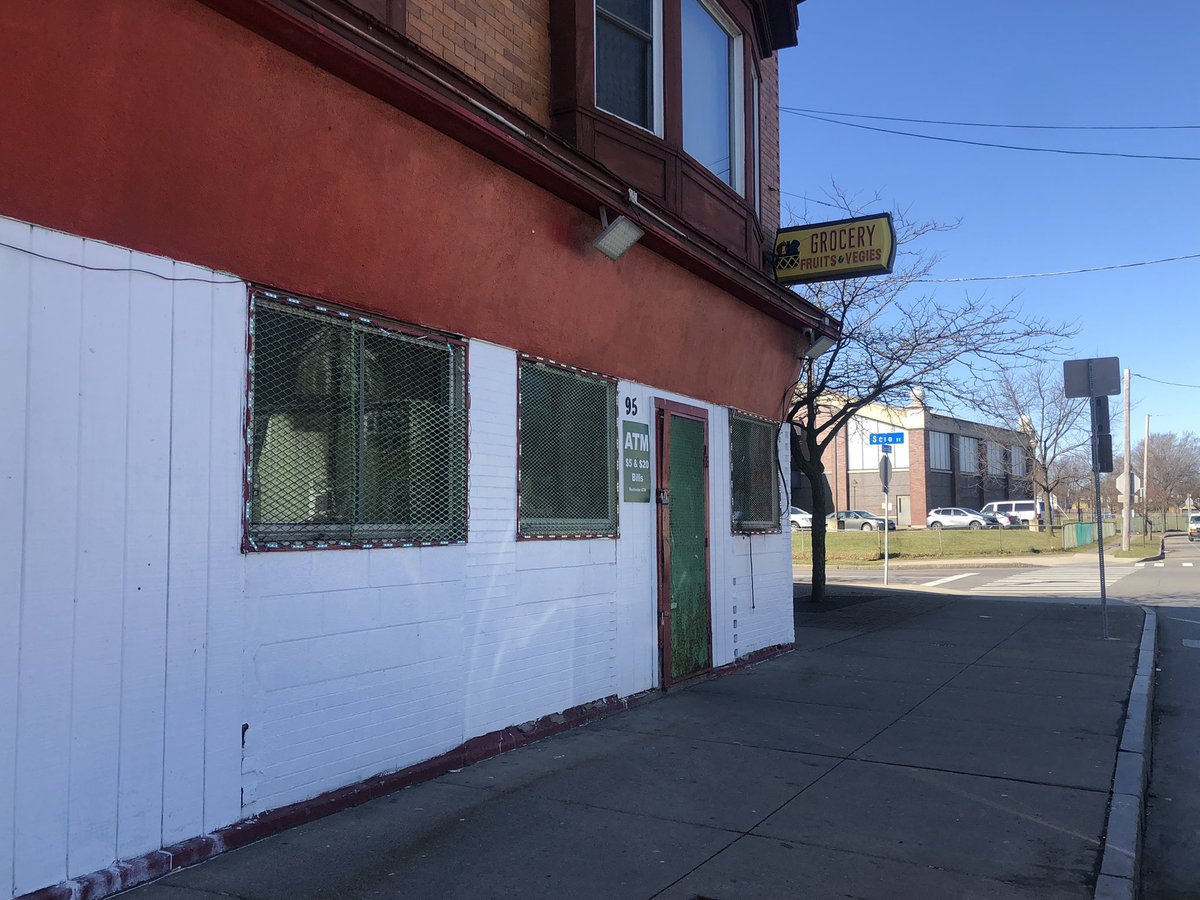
{"type": "Point", "coordinates": [911, 746]}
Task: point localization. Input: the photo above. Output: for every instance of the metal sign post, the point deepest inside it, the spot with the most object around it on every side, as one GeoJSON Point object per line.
{"type": "Point", "coordinates": [1096, 379]}
{"type": "Point", "coordinates": [885, 477]}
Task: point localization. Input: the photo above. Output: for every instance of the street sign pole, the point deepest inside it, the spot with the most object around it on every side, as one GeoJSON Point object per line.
{"type": "Point", "coordinates": [1097, 379]}
{"type": "Point", "coordinates": [1096, 479]}
{"type": "Point", "coordinates": [1127, 477]}
{"type": "Point", "coordinates": [885, 478]}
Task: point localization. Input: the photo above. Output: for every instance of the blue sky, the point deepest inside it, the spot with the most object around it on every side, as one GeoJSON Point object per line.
{"type": "Point", "coordinates": [1063, 62]}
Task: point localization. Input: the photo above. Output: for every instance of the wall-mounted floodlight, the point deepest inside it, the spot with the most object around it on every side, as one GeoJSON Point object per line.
{"type": "Point", "coordinates": [617, 236]}
{"type": "Point", "coordinates": [818, 344]}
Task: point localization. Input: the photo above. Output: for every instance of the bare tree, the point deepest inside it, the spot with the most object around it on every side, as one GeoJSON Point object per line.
{"type": "Point", "coordinates": [1077, 488]}
{"type": "Point", "coordinates": [897, 334]}
{"type": "Point", "coordinates": [1054, 425]}
{"type": "Point", "coordinates": [1174, 469]}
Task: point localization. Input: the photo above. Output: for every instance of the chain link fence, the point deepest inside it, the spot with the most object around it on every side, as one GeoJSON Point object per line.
{"type": "Point", "coordinates": [567, 481]}
{"type": "Point", "coordinates": [357, 431]}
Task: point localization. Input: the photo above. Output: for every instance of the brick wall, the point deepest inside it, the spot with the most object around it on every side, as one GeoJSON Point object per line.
{"type": "Point", "coordinates": [918, 473]}
{"type": "Point", "coordinates": [768, 103]}
{"type": "Point", "coordinates": [502, 44]}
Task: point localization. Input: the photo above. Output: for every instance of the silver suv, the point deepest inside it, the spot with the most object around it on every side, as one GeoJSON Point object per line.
{"type": "Point", "coordinates": [960, 517]}
{"type": "Point", "coordinates": [1194, 526]}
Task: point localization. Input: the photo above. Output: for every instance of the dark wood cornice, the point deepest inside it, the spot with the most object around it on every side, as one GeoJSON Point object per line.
{"type": "Point", "coordinates": [336, 37]}
{"type": "Point", "coordinates": [783, 18]}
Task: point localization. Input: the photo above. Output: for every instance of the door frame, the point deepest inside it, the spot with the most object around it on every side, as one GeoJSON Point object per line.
{"type": "Point", "coordinates": [662, 410]}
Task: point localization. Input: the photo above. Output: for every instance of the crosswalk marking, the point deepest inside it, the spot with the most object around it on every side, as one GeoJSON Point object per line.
{"type": "Point", "coordinates": [948, 579]}
{"type": "Point", "coordinates": [1076, 580]}
{"type": "Point", "coordinates": [1159, 565]}
{"type": "Point", "coordinates": [1187, 565]}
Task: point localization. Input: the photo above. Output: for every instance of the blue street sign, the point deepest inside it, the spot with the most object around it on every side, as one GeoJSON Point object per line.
{"type": "Point", "coordinates": [888, 437]}
{"type": "Point", "coordinates": [885, 449]}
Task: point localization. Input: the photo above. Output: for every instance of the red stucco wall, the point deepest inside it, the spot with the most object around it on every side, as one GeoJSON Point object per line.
{"type": "Point", "coordinates": [162, 125]}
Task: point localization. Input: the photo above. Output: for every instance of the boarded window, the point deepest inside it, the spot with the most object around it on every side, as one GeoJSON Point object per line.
{"type": "Point", "coordinates": [357, 430]}
{"type": "Point", "coordinates": [754, 474]}
{"type": "Point", "coordinates": [939, 451]}
{"type": "Point", "coordinates": [567, 479]}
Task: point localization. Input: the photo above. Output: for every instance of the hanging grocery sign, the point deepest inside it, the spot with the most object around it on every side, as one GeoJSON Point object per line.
{"type": "Point", "coordinates": [828, 251]}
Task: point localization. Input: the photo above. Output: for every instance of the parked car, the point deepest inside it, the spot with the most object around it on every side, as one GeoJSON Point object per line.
{"type": "Point", "coordinates": [1194, 526]}
{"type": "Point", "coordinates": [859, 520]}
{"type": "Point", "coordinates": [799, 518]}
{"type": "Point", "coordinates": [960, 517]}
{"type": "Point", "coordinates": [1016, 512]}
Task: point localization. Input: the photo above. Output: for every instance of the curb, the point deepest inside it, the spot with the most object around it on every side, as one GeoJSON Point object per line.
{"type": "Point", "coordinates": [1120, 864]}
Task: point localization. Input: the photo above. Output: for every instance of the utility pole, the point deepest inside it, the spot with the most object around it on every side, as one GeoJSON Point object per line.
{"type": "Point", "coordinates": [1146, 478]}
{"type": "Point", "coordinates": [1127, 475]}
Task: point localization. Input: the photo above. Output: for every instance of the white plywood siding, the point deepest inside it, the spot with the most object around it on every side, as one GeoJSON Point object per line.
{"type": "Point", "coordinates": [104, 706]}
{"type": "Point", "coordinates": [156, 683]}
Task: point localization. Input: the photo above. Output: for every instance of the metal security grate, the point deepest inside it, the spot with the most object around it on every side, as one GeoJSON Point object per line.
{"type": "Point", "coordinates": [357, 431]}
{"type": "Point", "coordinates": [754, 474]}
{"type": "Point", "coordinates": [568, 456]}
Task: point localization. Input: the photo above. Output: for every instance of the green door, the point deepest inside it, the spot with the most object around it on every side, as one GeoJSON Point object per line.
{"type": "Point", "coordinates": [683, 542]}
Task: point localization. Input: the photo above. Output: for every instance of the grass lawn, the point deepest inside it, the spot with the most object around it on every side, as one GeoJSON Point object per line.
{"type": "Point", "coordinates": [1140, 546]}
{"type": "Point", "coordinates": [928, 543]}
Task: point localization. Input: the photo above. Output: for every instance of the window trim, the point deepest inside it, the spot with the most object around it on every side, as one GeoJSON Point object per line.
{"type": "Point", "coordinates": [756, 139]}
{"type": "Point", "coordinates": [615, 461]}
{"type": "Point", "coordinates": [735, 413]}
{"type": "Point", "coordinates": [657, 92]}
{"type": "Point", "coordinates": [335, 312]}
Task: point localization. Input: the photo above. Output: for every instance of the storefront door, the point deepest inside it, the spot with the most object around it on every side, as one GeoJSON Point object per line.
{"type": "Point", "coordinates": [685, 632]}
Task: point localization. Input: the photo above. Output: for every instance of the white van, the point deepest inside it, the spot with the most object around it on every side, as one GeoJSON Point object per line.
{"type": "Point", "coordinates": [1016, 512]}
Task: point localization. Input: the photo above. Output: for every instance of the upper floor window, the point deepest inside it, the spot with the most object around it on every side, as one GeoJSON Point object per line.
{"type": "Point", "coordinates": [1019, 467]}
{"type": "Point", "coordinates": [939, 451]}
{"type": "Point", "coordinates": [968, 455]}
{"type": "Point", "coordinates": [712, 91]}
{"type": "Point", "coordinates": [628, 60]}
{"type": "Point", "coordinates": [995, 458]}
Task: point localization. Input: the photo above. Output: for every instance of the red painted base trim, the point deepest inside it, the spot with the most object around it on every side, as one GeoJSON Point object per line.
{"type": "Point", "coordinates": [128, 873]}
{"type": "Point", "coordinates": [754, 658]}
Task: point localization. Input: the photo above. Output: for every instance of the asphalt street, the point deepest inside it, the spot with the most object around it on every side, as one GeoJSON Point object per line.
{"type": "Point", "coordinates": [1172, 838]}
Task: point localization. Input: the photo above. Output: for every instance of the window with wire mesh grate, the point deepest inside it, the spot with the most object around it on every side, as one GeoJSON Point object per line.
{"type": "Point", "coordinates": [357, 430]}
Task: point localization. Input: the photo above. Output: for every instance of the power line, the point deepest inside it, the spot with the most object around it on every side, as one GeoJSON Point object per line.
{"type": "Point", "coordinates": [67, 262]}
{"type": "Point", "coordinates": [950, 140]}
{"type": "Point", "coordinates": [814, 200]}
{"type": "Point", "coordinates": [1132, 265]}
{"type": "Point", "coordinates": [1170, 383]}
{"type": "Point", "coordinates": [845, 115]}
